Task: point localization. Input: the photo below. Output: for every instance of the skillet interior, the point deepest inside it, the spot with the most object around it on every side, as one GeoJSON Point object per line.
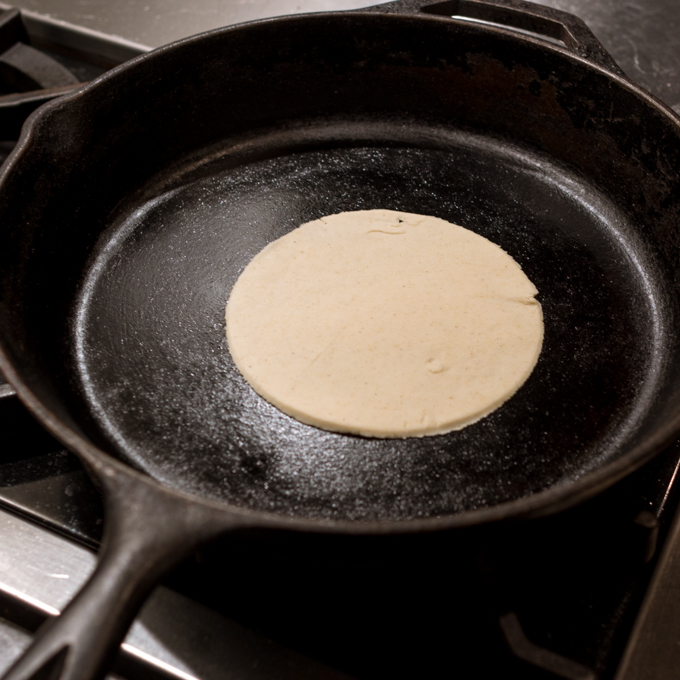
{"type": "Point", "coordinates": [158, 376]}
{"type": "Point", "coordinates": [453, 127]}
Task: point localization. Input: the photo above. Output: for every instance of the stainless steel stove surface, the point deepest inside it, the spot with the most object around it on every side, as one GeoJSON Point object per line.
{"type": "Point", "coordinates": [586, 594]}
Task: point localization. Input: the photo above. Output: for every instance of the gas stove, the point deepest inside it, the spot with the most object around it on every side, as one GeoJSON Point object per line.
{"type": "Point", "coordinates": [582, 595]}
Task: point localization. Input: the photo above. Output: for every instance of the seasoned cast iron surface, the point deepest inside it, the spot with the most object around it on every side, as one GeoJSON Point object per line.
{"type": "Point", "coordinates": [156, 371]}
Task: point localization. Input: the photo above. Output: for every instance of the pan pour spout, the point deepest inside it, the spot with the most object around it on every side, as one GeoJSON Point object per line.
{"type": "Point", "coordinates": [82, 642]}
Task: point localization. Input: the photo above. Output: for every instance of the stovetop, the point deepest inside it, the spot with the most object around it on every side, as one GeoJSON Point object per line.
{"type": "Point", "coordinates": [557, 597]}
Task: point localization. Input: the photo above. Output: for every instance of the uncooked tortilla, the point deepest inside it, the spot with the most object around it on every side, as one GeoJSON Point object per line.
{"type": "Point", "coordinates": [384, 324]}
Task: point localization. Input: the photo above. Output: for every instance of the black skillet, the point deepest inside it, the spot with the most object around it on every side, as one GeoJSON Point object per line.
{"type": "Point", "coordinates": [130, 207]}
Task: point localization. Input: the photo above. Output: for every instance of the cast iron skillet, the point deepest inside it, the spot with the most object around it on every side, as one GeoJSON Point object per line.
{"type": "Point", "coordinates": [130, 207]}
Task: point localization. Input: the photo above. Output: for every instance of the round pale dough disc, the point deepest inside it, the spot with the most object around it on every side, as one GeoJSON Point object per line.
{"type": "Point", "coordinates": [385, 324]}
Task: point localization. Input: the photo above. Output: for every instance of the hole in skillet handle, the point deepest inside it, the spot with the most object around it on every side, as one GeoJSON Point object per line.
{"type": "Point", "coordinates": [526, 18]}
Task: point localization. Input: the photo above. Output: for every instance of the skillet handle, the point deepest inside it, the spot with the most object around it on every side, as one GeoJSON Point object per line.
{"type": "Point", "coordinates": [82, 642]}
{"type": "Point", "coordinates": [526, 16]}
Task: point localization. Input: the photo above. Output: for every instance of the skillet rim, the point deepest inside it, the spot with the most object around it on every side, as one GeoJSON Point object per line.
{"type": "Point", "coordinates": [550, 501]}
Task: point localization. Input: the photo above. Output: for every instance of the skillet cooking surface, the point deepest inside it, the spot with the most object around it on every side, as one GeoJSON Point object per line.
{"type": "Point", "coordinates": [157, 374]}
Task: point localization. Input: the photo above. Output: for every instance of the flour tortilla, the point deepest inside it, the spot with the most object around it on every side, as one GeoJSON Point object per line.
{"type": "Point", "coordinates": [384, 324]}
